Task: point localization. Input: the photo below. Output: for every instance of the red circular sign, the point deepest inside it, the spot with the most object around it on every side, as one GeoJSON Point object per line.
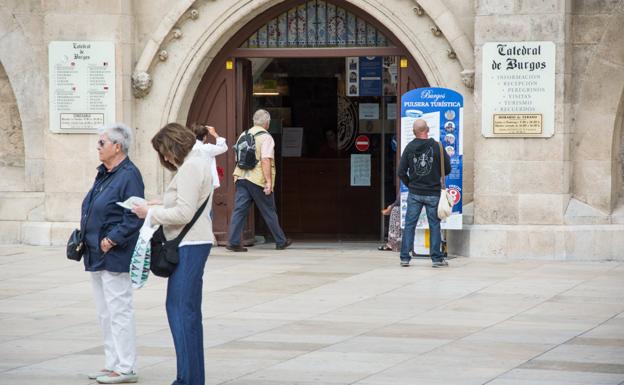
{"type": "Point", "coordinates": [456, 194]}
{"type": "Point", "coordinates": [362, 143]}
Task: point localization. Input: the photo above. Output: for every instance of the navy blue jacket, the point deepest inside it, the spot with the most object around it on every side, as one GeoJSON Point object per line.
{"type": "Point", "coordinates": [102, 217]}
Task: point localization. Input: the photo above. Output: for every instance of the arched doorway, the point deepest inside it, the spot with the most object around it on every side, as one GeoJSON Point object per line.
{"type": "Point", "coordinates": [225, 99]}
{"type": "Point", "coordinates": [12, 147]}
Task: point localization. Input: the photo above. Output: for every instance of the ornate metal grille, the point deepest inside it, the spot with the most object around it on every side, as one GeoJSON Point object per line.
{"type": "Point", "coordinates": [316, 24]}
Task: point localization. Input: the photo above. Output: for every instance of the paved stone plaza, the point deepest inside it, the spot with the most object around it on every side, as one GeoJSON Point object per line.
{"type": "Point", "coordinates": [351, 315]}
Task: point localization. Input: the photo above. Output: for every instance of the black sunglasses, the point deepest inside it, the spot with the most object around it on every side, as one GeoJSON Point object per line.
{"type": "Point", "coordinates": [102, 142]}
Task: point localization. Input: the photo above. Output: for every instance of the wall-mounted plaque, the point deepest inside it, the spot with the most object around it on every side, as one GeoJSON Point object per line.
{"type": "Point", "coordinates": [81, 85]}
{"type": "Point", "coordinates": [518, 92]}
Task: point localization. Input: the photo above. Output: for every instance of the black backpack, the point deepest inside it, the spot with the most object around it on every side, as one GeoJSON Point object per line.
{"type": "Point", "coordinates": [245, 150]}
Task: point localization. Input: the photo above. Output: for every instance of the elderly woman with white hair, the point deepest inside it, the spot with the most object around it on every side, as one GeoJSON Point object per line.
{"type": "Point", "coordinates": [110, 233]}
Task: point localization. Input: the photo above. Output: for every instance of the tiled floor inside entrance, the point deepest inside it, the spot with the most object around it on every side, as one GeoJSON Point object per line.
{"type": "Point", "coordinates": [332, 314]}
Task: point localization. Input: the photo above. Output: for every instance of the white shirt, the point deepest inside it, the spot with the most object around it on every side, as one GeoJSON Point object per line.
{"type": "Point", "coordinates": [209, 151]}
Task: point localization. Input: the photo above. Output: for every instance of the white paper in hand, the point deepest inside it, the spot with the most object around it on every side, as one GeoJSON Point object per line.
{"type": "Point", "coordinates": [128, 203]}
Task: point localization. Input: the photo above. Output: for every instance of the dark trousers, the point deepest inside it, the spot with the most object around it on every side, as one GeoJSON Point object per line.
{"type": "Point", "coordinates": [184, 299]}
{"type": "Point", "coordinates": [246, 192]}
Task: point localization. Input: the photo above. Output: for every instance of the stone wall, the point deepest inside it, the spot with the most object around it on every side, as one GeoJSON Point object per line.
{"type": "Point", "coordinates": [38, 202]}
{"type": "Point", "coordinates": [523, 180]}
{"type": "Point", "coordinates": [43, 201]}
{"type": "Point", "coordinates": [597, 67]}
{"type": "Point", "coordinates": [590, 19]}
{"type": "Point", "coordinates": [464, 12]}
{"type": "Point", "coordinates": [12, 143]}
{"type": "Point", "coordinates": [66, 21]}
{"type": "Point", "coordinates": [522, 187]}
{"type": "Point", "coordinates": [547, 198]}
{"type": "Point", "coordinates": [620, 161]}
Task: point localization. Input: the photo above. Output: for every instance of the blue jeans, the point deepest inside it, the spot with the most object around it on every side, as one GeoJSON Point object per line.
{"type": "Point", "coordinates": [246, 193]}
{"type": "Point", "coordinates": [415, 204]}
{"type": "Point", "coordinates": [184, 299]}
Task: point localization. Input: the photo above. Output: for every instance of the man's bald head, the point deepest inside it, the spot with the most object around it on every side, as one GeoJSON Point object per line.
{"type": "Point", "coordinates": [421, 130]}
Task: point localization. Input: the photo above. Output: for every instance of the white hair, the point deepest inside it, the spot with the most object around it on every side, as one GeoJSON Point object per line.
{"type": "Point", "coordinates": [118, 133]}
{"type": "Point", "coordinates": [261, 118]}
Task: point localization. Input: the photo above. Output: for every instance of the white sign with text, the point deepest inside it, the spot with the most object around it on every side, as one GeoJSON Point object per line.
{"type": "Point", "coordinates": [81, 85]}
{"type": "Point", "coordinates": [518, 89]}
{"type": "Point", "coordinates": [292, 138]}
{"type": "Point", "coordinates": [360, 170]}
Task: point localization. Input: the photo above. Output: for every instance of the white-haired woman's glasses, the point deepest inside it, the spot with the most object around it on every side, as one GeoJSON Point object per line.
{"type": "Point", "coordinates": [102, 142]}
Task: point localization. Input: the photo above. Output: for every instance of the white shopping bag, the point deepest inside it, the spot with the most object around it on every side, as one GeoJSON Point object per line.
{"type": "Point", "coordinates": [140, 263]}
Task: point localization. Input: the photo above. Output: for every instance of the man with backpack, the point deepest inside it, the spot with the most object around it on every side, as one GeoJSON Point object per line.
{"type": "Point", "coordinates": [254, 177]}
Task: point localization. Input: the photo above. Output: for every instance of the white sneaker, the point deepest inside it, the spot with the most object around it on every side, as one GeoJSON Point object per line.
{"type": "Point", "coordinates": [93, 376]}
{"type": "Point", "coordinates": [119, 378]}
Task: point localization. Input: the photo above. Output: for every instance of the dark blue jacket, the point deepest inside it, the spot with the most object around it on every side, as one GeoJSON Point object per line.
{"type": "Point", "coordinates": [102, 217]}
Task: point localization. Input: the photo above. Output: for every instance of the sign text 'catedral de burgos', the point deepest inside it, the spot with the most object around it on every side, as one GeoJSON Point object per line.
{"type": "Point", "coordinates": [518, 89]}
{"type": "Point", "coordinates": [81, 85]}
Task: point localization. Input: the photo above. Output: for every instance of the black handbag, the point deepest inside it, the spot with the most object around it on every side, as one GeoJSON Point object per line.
{"type": "Point", "coordinates": [75, 246]}
{"type": "Point", "coordinates": [164, 254]}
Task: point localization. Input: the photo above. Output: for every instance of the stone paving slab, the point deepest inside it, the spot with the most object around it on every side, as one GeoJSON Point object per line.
{"type": "Point", "coordinates": [332, 314]}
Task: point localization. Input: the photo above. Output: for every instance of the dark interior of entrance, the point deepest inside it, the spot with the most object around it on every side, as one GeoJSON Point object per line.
{"type": "Point", "coordinates": [335, 148]}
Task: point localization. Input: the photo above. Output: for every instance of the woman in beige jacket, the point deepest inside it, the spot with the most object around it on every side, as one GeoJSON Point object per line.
{"type": "Point", "coordinates": [191, 186]}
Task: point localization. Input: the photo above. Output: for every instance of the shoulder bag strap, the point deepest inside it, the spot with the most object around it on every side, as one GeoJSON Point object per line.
{"type": "Point", "coordinates": [442, 174]}
{"type": "Point", "coordinates": [188, 226]}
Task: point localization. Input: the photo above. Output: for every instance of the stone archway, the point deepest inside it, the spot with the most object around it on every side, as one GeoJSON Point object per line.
{"type": "Point", "coordinates": [618, 157]}
{"type": "Point", "coordinates": [180, 50]}
{"type": "Point", "coordinates": [26, 80]}
{"type": "Point", "coordinates": [596, 174]}
{"type": "Point", "coordinates": [12, 145]}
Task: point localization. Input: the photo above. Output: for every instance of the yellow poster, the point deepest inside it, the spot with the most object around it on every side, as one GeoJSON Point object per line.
{"type": "Point", "coordinates": [518, 124]}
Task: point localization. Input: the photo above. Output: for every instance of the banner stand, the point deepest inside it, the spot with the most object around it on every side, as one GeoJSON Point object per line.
{"type": "Point", "coordinates": [443, 110]}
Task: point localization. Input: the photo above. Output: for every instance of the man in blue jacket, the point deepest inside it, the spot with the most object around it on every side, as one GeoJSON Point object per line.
{"type": "Point", "coordinates": [420, 170]}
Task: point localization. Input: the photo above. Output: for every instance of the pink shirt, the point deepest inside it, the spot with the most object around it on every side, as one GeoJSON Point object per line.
{"type": "Point", "coordinates": [268, 146]}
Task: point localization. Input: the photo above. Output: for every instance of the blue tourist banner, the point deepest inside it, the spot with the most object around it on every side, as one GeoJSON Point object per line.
{"type": "Point", "coordinates": [443, 110]}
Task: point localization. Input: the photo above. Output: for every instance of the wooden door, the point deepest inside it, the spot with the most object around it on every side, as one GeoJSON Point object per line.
{"type": "Point", "coordinates": [244, 113]}
{"type": "Point", "coordinates": [410, 76]}
{"type": "Point", "coordinates": [213, 105]}
{"type": "Point", "coordinates": [223, 100]}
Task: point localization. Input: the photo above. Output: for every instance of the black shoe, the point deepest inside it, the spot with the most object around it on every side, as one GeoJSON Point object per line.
{"type": "Point", "coordinates": [236, 248]}
{"type": "Point", "coordinates": [285, 245]}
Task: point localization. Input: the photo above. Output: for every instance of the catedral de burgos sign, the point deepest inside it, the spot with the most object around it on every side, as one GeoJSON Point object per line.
{"type": "Point", "coordinates": [518, 89]}
{"type": "Point", "coordinates": [82, 85]}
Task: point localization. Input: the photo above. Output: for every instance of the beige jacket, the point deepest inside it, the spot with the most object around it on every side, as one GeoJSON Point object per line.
{"type": "Point", "coordinates": [188, 189]}
{"type": "Point", "coordinates": [256, 175]}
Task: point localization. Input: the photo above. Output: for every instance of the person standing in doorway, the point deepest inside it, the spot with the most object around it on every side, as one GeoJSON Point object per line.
{"type": "Point", "coordinates": [419, 170]}
{"type": "Point", "coordinates": [256, 184]}
{"type": "Point", "coordinates": [208, 150]}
